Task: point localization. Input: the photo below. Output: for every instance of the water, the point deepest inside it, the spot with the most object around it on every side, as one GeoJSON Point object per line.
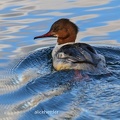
{"type": "Point", "coordinates": [29, 87]}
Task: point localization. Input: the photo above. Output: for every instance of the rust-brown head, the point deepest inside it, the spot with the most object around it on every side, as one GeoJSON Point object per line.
{"type": "Point", "coordinates": [65, 30]}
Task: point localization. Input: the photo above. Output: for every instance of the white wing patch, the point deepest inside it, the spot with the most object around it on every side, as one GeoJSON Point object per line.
{"type": "Point", "coordinates": [61, 55]}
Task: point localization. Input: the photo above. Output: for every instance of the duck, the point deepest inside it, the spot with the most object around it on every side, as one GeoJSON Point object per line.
{"type": "Point", "coordinates": [69, 54]}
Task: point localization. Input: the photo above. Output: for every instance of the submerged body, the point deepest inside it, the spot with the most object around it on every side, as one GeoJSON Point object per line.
{"type": "Point", "coordinates": [70, 55]}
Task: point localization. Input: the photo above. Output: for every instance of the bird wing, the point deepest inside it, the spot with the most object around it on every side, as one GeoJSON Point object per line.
{"type": "Point", "coordinates": [79, 53]}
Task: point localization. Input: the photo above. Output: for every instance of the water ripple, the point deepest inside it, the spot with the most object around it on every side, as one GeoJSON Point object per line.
{"type": "Point", "coordinates": [29, 86]}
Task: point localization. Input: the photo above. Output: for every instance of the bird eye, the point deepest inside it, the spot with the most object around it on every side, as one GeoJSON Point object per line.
{"type": "Point", "coordinates": [56, 29]}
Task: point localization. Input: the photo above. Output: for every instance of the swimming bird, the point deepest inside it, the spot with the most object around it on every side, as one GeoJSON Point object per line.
{"type": "Point", "coordinates": [70, 55]}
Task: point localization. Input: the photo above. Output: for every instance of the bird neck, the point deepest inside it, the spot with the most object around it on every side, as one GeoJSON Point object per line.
{"type": "Point", "coordinates": [68, 39]}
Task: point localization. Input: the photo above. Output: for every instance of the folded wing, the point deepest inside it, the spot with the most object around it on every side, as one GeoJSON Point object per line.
{"type": "Point", "coordinates": [79, 53]}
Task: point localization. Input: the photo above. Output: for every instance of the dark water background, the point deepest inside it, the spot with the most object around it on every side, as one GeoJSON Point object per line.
{"type": "Point", "coordinates": [29, 87]}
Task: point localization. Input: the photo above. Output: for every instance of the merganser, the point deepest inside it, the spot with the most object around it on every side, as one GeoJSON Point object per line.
{"type": "Point", "coordinates": [70, 55]}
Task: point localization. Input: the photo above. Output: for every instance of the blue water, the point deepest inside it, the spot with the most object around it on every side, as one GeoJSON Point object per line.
{"type": "Point", "coordinates": [30, 89]}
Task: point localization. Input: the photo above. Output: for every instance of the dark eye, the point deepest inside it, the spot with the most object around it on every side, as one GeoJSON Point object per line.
{"type": "Point", "coordinates": [56, 29]}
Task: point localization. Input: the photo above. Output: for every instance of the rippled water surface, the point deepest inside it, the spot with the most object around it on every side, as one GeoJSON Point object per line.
{"type": "Point", "coordinates": [30, 89]}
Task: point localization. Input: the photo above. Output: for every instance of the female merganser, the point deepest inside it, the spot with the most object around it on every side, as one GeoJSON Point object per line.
{"type": "Point", "coordinates": [70, 55]}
